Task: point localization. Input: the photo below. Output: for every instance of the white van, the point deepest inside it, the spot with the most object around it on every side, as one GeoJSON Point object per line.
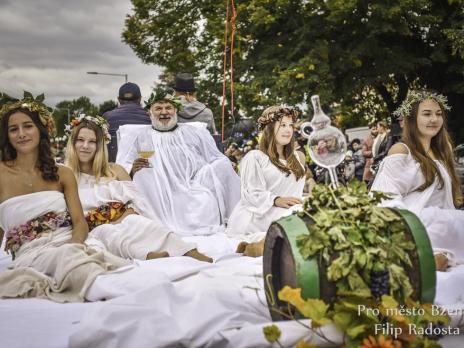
{"type": "Point", "coordinates": [359, 132]}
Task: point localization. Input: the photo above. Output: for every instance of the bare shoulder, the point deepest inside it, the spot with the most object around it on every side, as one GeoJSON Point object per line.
{"type": "Point", "coordinates": [120, 172]}
{"type": "Point", "coordinates": [398, 148]}
{"type": "Point", "coordinates": [64, 171]}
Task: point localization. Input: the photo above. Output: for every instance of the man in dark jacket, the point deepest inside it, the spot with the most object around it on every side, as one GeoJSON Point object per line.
{"type": "Point", "coordinates": [193, 111]}
{"type": "Point", "coordinates": [128, 112]}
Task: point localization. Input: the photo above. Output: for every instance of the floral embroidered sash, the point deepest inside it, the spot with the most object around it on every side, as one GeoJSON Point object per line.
{"type": "Point", "coordinates": [33, 229]}
{"type": "Point", "coordinates": [105, 214]}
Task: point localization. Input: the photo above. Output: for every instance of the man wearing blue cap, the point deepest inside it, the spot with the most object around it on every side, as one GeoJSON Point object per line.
{"type": "Point", "coordinates": [128, 112]}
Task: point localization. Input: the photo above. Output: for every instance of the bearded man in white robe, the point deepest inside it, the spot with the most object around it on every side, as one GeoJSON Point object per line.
{"type": "Point", "coordinates": [190, 185]}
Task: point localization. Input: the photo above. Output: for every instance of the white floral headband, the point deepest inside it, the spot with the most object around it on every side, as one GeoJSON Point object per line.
{"type": "Point", "coordinates": [416, 97]}
{"type": "Point", "coordinates": [98, 120]}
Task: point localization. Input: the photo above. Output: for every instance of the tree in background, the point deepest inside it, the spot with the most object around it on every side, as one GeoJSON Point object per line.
{"type": "Point", "coordinates": [107, 105]}
{"type": "Point", "coordinates": [355, 54]}
{"type": "Point", "coordinates": [66, 109]}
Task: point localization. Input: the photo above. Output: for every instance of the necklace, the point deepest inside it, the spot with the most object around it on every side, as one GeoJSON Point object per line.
{"type": "Point", "coordinates": [26, 177]}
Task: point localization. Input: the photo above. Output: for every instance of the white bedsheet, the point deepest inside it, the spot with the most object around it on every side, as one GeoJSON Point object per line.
{"type": "Point", "coordinates": [172, 302]}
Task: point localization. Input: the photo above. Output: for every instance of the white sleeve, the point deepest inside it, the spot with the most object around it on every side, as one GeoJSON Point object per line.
{"type": "Point", "coordinates": [127, 151]}
{"type": "Point", "coordinates": [254, 191]}
{"type": "Point", "coordinates": [397, 176]}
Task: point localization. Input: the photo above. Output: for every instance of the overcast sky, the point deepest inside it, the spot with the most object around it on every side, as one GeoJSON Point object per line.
{"type": "Point", "coordinates": [49, 45]}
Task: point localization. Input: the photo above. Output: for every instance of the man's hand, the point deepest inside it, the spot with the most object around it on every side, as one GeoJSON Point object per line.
{"type": "Point", "coordinates": [138, 164]}
{"type": "Point", "coordinates": [287, 202]}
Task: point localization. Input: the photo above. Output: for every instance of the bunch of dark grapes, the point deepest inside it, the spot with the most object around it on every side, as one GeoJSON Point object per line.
{"type": "Point", "coordinates": [380, 283]}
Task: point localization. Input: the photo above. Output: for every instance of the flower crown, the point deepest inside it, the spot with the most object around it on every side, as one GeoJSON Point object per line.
{"type": "Point", "coordinates": [33, 105]}
{"type": "Point", "coordinates": [166, 96]}
{"type": "Point", "coordinates": [98, 120]}
{"type": "Point", "coordinates": [276, 114]}
{"type": "Point", "coordinates": [417, 97]}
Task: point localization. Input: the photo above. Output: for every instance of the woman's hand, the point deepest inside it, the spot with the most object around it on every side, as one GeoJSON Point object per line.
{"type": "Point", "coordinates": [286, 202]}
{"type": "Point", "coordinates": [128, 212]}
{"type": "Point", "coordinates": [441, 262]}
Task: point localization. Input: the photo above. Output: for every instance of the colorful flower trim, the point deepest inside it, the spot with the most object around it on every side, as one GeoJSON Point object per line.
{"type": "Point", "coordinates": [98, 120]}
{"type": "Point", "coordinates": [33, 229]}
{"type": "Point", "coordinates": [105, 214]}
{"type": "Point", "coordinates": [275, 113]}
{"type": "Point", "coordinates": [417, 97]}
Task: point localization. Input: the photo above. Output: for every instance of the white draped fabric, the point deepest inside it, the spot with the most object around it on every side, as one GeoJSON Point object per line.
{"type": "Point", "coordinates": [400, 175]}
{"type": "Point", "coordinates": [174, 302]}
{"type": "Point", "coordinates": [48, 266]}
{"type": "Point", "coordinates": [191, 186]}
{"type": "Point", "coordinates": [136, 235]}
{"type": "Point", "coordinates": [261, 183]}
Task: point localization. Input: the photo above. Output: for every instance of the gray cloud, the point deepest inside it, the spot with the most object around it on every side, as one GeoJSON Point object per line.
{"type": "Point", "coordinates": [49, 45]}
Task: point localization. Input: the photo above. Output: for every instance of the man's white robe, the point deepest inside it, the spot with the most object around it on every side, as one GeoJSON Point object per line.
{"type": "Point", "coordinates": [191, 186]}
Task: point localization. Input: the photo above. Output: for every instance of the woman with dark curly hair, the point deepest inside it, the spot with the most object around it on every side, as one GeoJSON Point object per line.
{"type": "Point", "coordinates": [40, 212]}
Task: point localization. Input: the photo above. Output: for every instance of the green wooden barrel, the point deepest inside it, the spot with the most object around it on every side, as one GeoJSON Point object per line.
{"type": "Point", "coordinates": [283, 264]}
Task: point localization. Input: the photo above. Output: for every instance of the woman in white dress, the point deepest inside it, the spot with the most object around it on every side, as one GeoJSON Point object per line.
{"type": "Point", "coordinates": [40, 213]}
{"type": "Point", "coordinates": [272, 180]}
{"type": "Point", "coordinates": [113, 208]}
{"type": "Point", "coordinates": [419, 172]}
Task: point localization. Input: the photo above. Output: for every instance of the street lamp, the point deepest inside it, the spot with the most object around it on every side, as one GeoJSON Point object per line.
{"type": "Point", "coordinates": [99, 73]}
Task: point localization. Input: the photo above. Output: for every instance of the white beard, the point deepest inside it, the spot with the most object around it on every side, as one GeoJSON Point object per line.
{"type": "Point", "coordinates": [158, 125]}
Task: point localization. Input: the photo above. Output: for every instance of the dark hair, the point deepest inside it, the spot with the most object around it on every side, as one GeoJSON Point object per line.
{"type": "Point", "coordinates": [45, 162]}
{"type": "Point", "coordinates": [356, 140]}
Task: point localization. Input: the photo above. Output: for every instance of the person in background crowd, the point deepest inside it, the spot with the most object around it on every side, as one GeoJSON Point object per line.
{"type": "Point", "coordinates": [397, 130]}
{"type": "Point", "coordinates": [356, 159]}
{"type": "Point", "coordinates": [129, 112]}
{"type": "Point", "coordinates": [193, 110]}
{"type": "Point", "coordinates": [231, 148]}
{"type": "Point", "coordinates": [40, 213]}
{"type": "Point", "coordinates": [367, 152]}
{"type": "Point", "coordinates": [119, 219]}
{"type": "Point", "coordinates": [272, 180]}
{"type": "Point", "coordinates": [420, 175]}
{"type": "Point", "coordinates": [382, 143]}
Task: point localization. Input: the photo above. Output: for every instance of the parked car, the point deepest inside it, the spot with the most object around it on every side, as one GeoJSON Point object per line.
{"type": "Point", "coordinates": [459, 156]}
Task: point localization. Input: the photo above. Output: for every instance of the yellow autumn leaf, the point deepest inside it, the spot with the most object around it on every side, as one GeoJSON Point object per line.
{"type": "Point", "coordinates": [300, 76]}
{"type": "Point", "coordinates": [292, 296]}
{"type": "Point", "coordinates": [311, 67]}
{"type": "Point", "coordinates": [302, 344]}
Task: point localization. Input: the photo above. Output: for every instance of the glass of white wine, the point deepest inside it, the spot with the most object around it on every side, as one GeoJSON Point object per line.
{"type": "Point", "coordinates": [145, 148]}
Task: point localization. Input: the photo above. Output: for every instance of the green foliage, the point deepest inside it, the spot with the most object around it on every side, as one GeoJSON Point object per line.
{"type": "Point", "coordinates": [67, 109]}
{"type": "Point", "coordinates": [348, 223]}
{"type": "Point", "coordinates": [272, 333]}
{"type": "Point", "coordinates": [106, 106]}
{"type": "Point", "coordinates": [361, 57]}
{"type": "Point", "coordinates": [352, 236]}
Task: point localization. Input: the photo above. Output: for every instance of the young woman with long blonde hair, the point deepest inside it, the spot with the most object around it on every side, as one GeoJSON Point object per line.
{"type": "Point", "coordinates": [118, 218]}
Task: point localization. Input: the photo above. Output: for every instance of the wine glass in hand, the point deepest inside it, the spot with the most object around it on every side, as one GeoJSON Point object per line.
{"type": "Point", "coordinates": [145, 148]}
